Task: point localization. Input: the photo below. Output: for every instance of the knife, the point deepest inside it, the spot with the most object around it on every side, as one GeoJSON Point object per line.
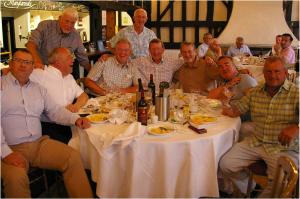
{"type": "Point", "coordinates": [199, 131]}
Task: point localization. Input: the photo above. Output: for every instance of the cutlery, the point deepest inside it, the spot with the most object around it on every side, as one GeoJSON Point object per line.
{"type": "Point", "coordinates": [199, 131]}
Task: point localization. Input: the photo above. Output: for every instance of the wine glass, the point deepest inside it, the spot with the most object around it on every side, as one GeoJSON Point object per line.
{"type": "Point", "coordinates": [228, 94]}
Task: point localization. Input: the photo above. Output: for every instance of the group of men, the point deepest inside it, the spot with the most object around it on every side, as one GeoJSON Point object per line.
{"type": "Point", "coordinates": [47, 93]}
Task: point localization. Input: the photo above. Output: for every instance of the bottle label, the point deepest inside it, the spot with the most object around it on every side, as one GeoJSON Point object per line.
{"type": "Point", "coordinates": [142, 115]}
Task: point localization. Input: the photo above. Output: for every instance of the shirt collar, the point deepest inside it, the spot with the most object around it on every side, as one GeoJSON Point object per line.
{"type": "Point", "coordinates": [13, 79]}
{"type": "Point", "coordinates": [286, 86]}
{"type": "Point", "coordinates": [161, 61]}
{"type": "Point", "coordinates": [54, 70]}
{"type": "Point", "coordinates": [121, 65]}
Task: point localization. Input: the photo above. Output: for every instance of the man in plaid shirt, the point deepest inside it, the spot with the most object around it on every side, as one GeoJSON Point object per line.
{"type": "Point", "coordinates": [274, 110]}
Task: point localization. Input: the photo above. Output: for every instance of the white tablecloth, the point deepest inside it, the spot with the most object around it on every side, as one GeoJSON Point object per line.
{"type": "Point", "coordinates": [183, 164]}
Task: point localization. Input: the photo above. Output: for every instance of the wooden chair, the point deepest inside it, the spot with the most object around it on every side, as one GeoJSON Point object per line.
{"type": "Point", "coordinates": [286, 178]}
{"type": "Point", "coordinates": [258, 168]}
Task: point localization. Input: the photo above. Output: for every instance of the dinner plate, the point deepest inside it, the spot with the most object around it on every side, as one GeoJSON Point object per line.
{"type": "Point", "coordinates": [202, 121]}
{"type": "Point", "coordinates": [161, 130]}
{"type": "Point", "coordinates": [98, 118]}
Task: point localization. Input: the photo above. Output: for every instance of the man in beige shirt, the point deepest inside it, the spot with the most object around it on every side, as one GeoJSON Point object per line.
{"type": "Point", "coordinates": [195, 75]}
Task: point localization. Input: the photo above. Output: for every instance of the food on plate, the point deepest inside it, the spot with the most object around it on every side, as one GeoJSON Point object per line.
{"type": "Point", "coordinates": [161, 130]}
{"type": "Point", "coordinates": [97, 117]}
{"type": "Point", "coordinates": [201, 119]}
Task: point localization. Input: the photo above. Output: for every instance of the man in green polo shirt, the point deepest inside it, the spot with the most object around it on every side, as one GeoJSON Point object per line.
{"type": "Point", "coordinates": [274, 110]}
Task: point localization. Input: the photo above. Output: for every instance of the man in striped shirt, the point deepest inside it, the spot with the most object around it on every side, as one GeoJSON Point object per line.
{"type": "Point", "coordinates": [274, 110]}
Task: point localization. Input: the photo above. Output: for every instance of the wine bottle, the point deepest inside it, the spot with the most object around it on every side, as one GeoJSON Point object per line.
{"type": "Point", "coordinates": [142, 110]}
{"type": "Point", "coordinates": [151, 87]}
{"type": "Point", "coordinates": [138, 94]}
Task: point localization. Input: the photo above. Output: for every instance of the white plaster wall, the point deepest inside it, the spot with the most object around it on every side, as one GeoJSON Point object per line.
{"type": "Point", "coordinates": [257, 21]}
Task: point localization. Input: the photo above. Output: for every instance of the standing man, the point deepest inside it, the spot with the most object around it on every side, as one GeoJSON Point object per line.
{"type": "Point", "coordinates": [62, 88]}
{"type": "Point", "coordinates": [287, 51]}
{"type": "Point", "coordinates": [202, 49]}
{"type": "Point", "coordinates": [52, 34]}
{"type": "Point", "coordinates": [22, 143]}
{"type": "Point", "coordinates": [138, 35]}
{"type": "Point", "coordinates": [157, 63]}
{"type": "Point", "coordinates": [195, 75]}
{"type": "Point", "coordinates": [239, 48]}
{"type": "Point", "coordinates": [274, 109]}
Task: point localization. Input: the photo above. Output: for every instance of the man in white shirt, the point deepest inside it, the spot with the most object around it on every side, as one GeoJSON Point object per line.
{"type": "Point", "coordinates": [239, 48]}
{"type": "Point", "coordinates": [22, 143]}
{"type": "Point", "coordinates": [157, 63]}
{"type": "Point", "coordinates": [202, 49]}
{"type": "Point", "coordinates": [62, 88]}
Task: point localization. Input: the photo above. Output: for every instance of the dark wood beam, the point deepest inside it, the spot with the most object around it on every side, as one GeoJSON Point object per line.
{"type": "Point", "coordinates": [157, 17]}
{"type": "Point", "coordinates": [165, 10]}
{"type": "Point", "coordinates": [210, 13]}
{"type": "Point", "coordinates": [197, 19]}
{"type": "Point", "coordinates": [183, 19]}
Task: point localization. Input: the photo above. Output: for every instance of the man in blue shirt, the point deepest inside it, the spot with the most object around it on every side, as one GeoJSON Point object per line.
{"type": "Point", "coordinates": [22, 143]}
{"type": "Point", "coordinates": [239, 49]}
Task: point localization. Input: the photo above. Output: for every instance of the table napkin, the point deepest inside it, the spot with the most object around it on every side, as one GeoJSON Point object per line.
{"type": "Point", "coordinates": [108, 139]}
{"type": "Point", "coordinates": [118, 116]}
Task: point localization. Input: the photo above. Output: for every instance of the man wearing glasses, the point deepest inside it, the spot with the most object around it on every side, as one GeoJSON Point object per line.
{"type": "Point", "coordinates": [22, 143]}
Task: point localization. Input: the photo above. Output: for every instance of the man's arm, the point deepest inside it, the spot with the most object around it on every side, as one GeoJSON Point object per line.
{"type": "Point", "coordinates": [231, 111]}
{"type": "Point", "coordinates": [80, 101]}
{"type": "Point", "coordinates": [131, 89]}
{"type": "Point", "coordinates": [90, 84]}
{"type": "Point", "coordinates": [33, 48]}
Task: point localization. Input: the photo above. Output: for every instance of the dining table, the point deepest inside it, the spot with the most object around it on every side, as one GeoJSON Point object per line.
{"type": "Point", "coordinates": [127, 160]}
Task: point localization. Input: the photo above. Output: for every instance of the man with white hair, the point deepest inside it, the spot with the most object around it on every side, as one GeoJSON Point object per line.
{"type": "Point", "coordinates": [138, 35]}
{"type": "Point", "coordinates": [62, 88]}
{"type": "Point", "coordinates": [52, 34]}
{"type": "Point", "coordinates": [239, 48]}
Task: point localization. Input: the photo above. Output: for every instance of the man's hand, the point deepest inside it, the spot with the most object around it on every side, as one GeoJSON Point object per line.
{"type": "Point", "coordinates": [16, 159]}
{"type": "Point", "coordinates": [231, 111]}
{"type": "Point", "coordinates": [104, 57]}
{"type": "Point", "coordinates": [233, 82]}
{"type": "Point", "coordinates": [288, 134]}
{"type": "Point", "coordinates": [245, 71]}
{"type": "Point", "coordinates": [209, 60]}
{"type": "Point", "coordinates": [72, 107]}
{"type": "Point", "coordinates": [83, 123]}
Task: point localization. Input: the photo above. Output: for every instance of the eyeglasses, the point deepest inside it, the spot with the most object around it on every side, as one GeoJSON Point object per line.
{"type": "Point", "coordinates": [23, 61]}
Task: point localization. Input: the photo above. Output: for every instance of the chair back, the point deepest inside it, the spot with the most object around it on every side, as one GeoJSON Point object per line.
{"type": "Point", "coordinates": [286, 177]}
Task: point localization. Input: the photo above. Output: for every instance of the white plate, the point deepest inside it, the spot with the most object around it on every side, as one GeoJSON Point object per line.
{"type": "Point", "coordinates": [98, 118]}
{"type": "Point", "coordinates": [161, 130]}
{"type": "Point", "coordinates": [202, 121]}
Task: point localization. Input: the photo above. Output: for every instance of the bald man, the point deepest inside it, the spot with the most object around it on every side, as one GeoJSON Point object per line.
{"type": "Point", "coordinates": [138, 35]}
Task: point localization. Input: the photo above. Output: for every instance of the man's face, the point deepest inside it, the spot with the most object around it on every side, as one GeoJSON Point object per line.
{"type": "Point", "coordinates": [140, 18]}
{"type": "Point", "coordinates": [274, 73]}
{"type": "Point", "coordinates": [285, 41]}
{"type": "Point", "coordinates": [239, 43]}
{"type": "Point", "coordinates": [67, 23]}
{"type": "Point", "coordinates": [21, 66]}
{"type": "Point", "coordinates": [122, 52]}
{"type": "Point", "coordinates": [227, 69]}
{"type": "Point", "coordinates": [156, 51]}
{"type": "Point", "coordinates": [215, 45]}
{"type": "Point", "coordinates": [66, 62]}
{"type": "Point", "coordinates": [188, 53]}
{"type": "Point", "coordinates": [207, 39]}
{"type": "Point", "coordinates": [278, 40]}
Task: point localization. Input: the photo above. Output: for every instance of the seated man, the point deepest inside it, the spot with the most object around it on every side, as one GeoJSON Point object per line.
{"type": "Point", "coordinates": [162, 67]}
{"type": "Point", "coordinates": [286, 51]}
{"type": "Point", "coordinates": [239, 48]}
{"type": "Point", "coordinates": [22, 144]}
{"type": "Point", "coordinates": [195, 75]}
{"type": "Point", "coordinates": [118, 73]}
{"type": "Point", "coordinates": [62, 88]}
{"type": "Point", "coordinates": [213, 53]}
{"type": "Point", "coordinates": [232, 80]}
{"type": "Point", "coordinates": [274, 109]}
{"type": "Point", "coordinates": [202, 49]}
{"type": "Point", "coordinates": [277, 45]}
